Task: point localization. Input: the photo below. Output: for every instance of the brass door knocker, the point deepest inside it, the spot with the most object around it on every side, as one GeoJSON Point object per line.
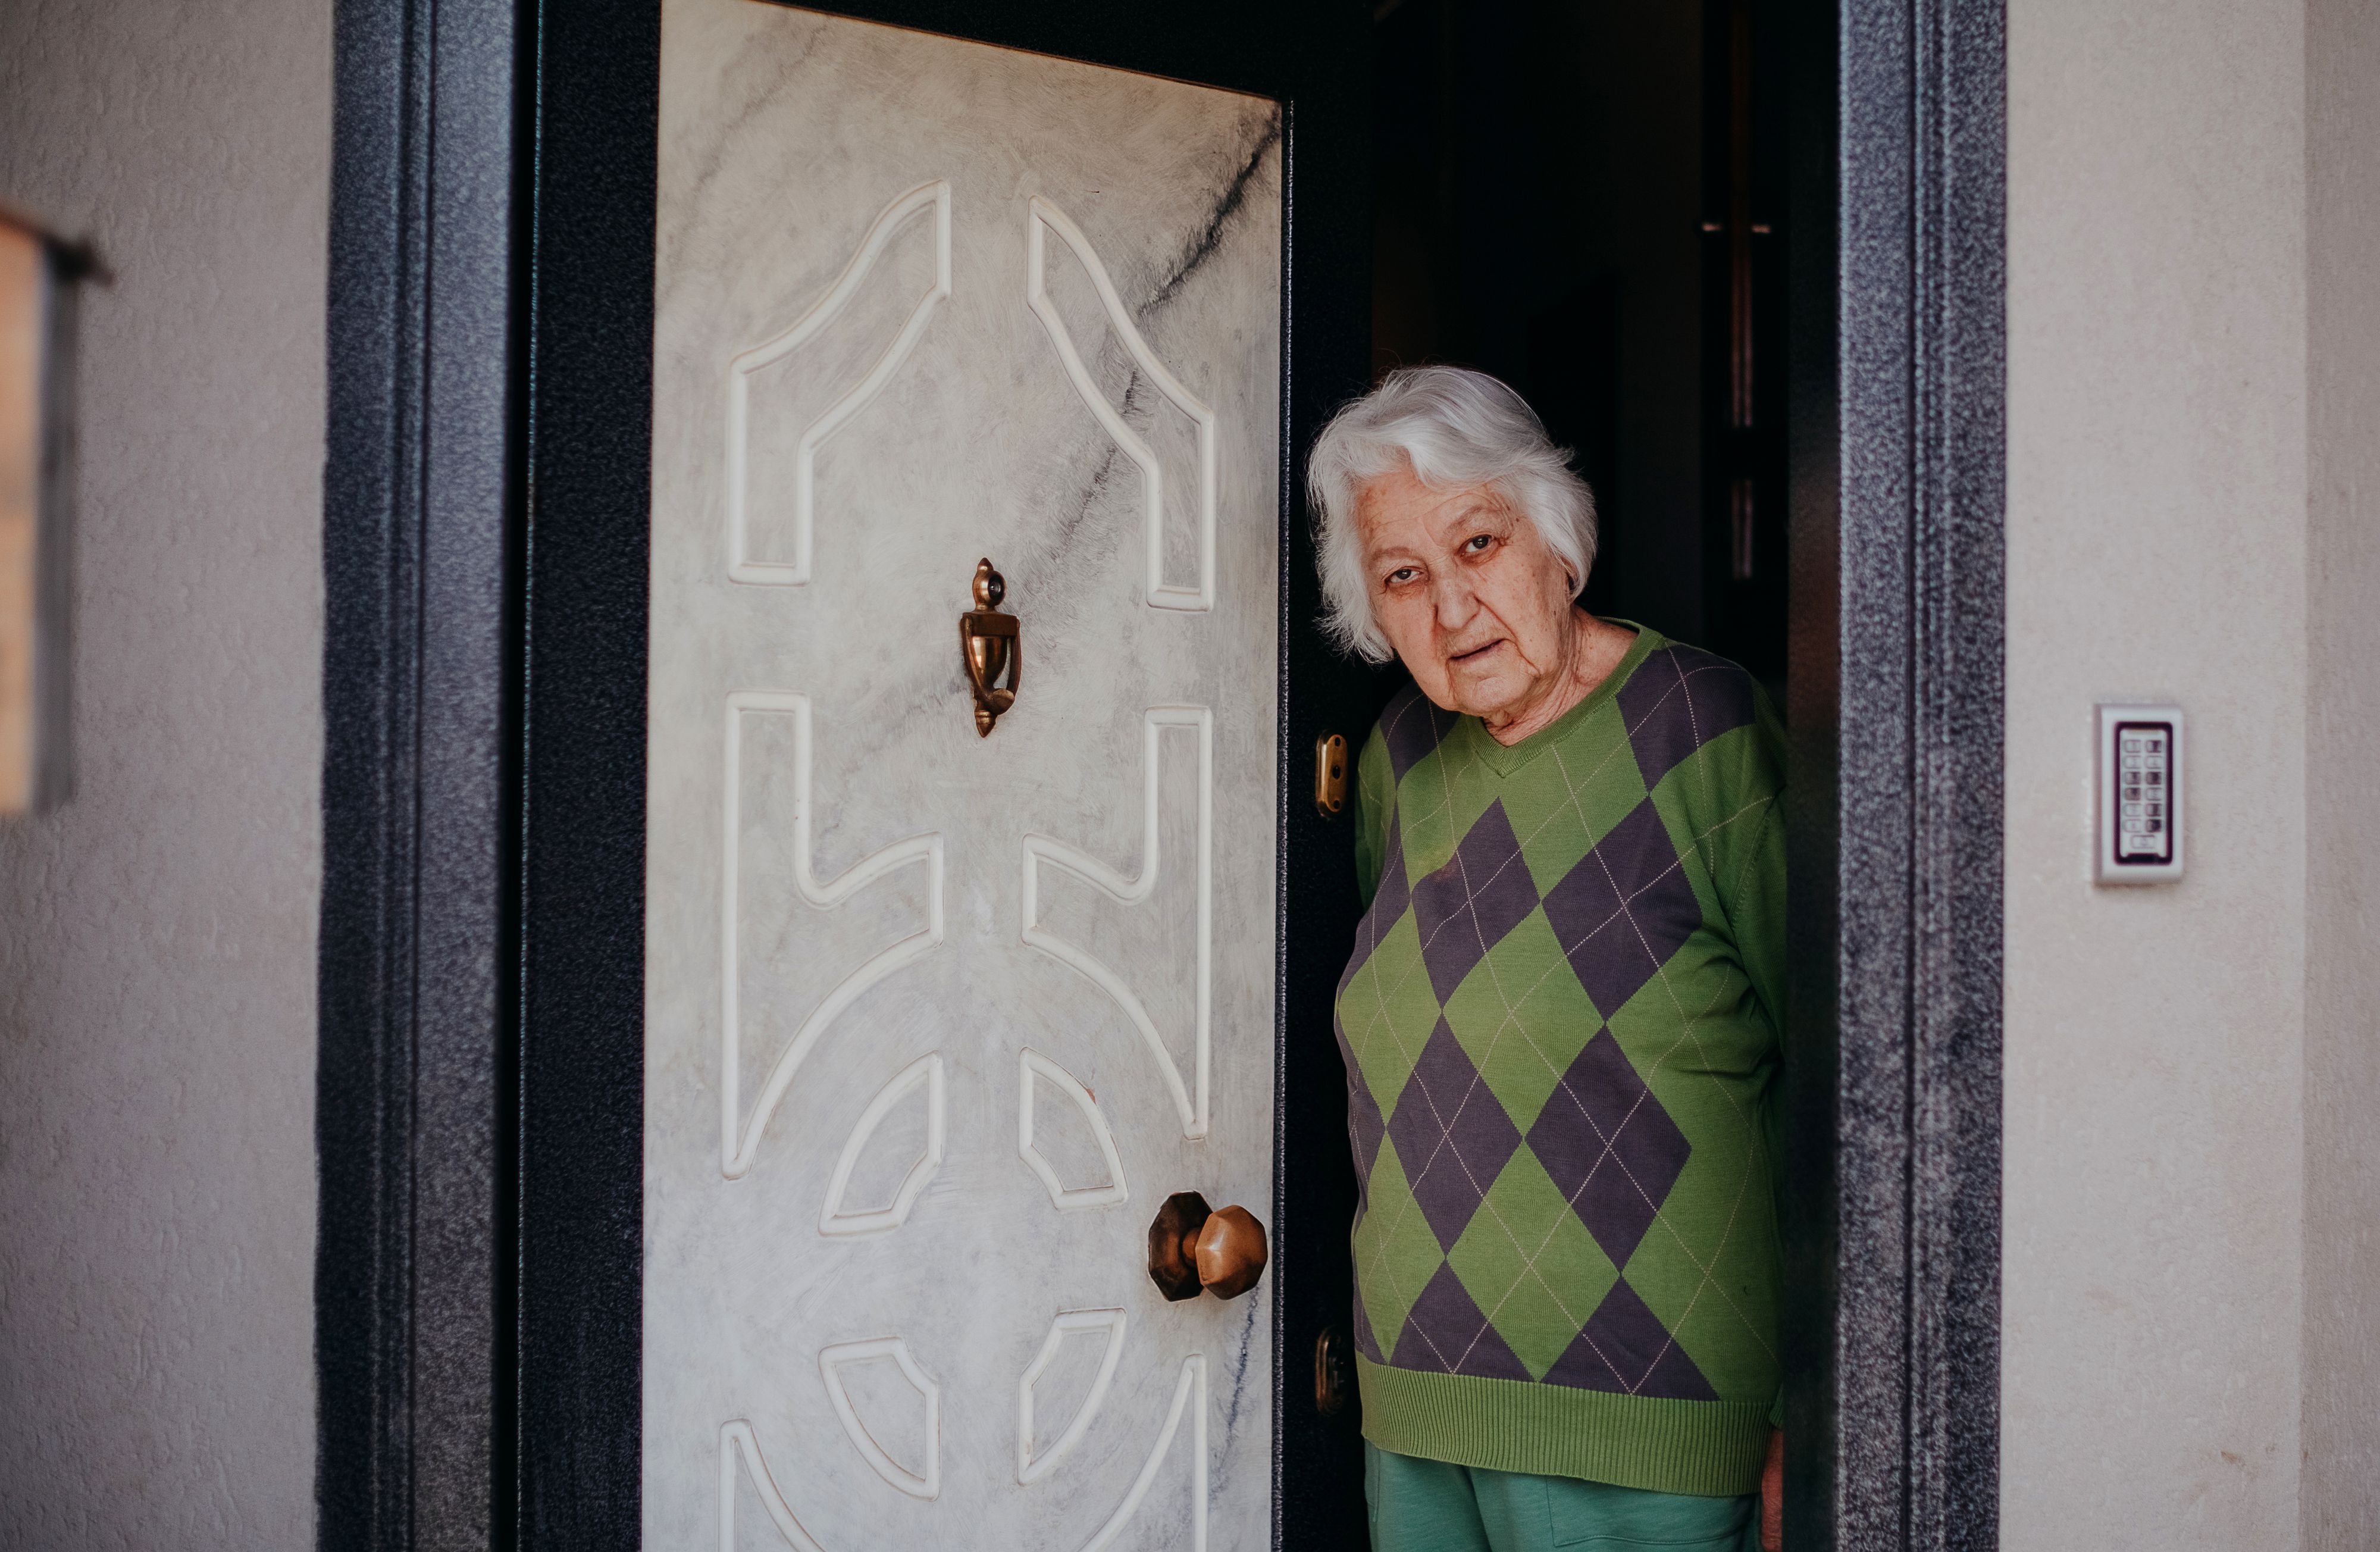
{"type": "Point", "coordinates": [988, 641]}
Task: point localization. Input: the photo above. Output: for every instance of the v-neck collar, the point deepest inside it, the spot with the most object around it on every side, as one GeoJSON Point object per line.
{"type": "Point", "coordinates": [1506, 759]}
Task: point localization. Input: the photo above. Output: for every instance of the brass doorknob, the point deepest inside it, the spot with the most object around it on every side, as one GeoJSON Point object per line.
{"type": "Point", "coordinates": [1334, 1371]}
{"type": "Point", "coordinates": [1193, 1247]}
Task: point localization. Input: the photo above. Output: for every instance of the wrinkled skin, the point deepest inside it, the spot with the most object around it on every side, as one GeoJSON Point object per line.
{"type": "Point", "coordinates": [1476, 606]}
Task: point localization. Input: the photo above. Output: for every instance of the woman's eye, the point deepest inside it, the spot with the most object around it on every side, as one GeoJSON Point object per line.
{"type": "Point", "coordinates": [1401, 575]}
{"type": "Point", "coordinates": [1477, 543]}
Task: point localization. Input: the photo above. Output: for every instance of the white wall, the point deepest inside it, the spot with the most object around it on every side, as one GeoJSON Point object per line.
{"type": "Point", "coordinates": [2342, 1079]}
{"type": "Point", "coordinates": [2157, 363]}
{"type": "Point", "coordinates": [157, 935]}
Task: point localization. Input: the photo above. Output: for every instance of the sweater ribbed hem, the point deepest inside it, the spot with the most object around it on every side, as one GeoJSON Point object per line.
{"type": "Point", "coordinates": [1710, 1449]}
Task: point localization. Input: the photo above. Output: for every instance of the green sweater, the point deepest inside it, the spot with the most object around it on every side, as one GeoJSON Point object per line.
{"type": "Point", "coordinates": [1561, 1028]}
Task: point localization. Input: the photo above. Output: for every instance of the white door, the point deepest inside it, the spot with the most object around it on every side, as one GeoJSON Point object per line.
{"type": "Point", "coordinates": [937, 1021]}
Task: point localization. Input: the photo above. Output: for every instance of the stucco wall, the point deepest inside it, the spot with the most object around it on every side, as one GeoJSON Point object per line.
{"type": "Point", "coordinates": [2157, 548]}
{"type": "Point", "coordinates": [2342, 1079]}
{"type": "Point", "coordinates": [157, 935]}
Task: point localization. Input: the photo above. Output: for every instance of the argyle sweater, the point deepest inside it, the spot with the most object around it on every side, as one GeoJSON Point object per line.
{"type": "Point", "coordinates": [1561, 1029]}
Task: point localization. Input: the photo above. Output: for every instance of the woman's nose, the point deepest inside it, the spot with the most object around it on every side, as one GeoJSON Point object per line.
{"type": "Point", "coordinates": [1456, 604]}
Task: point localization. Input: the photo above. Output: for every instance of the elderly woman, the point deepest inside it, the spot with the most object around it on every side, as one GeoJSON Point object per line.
{"type": "Point", "coordinates": [1562, 1019]}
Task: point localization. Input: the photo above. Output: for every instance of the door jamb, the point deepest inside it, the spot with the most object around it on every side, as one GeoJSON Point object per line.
{"type": "Point", "coordinates": [420, 710]}
{"type": "Point", "coordinates": [1898, 438]}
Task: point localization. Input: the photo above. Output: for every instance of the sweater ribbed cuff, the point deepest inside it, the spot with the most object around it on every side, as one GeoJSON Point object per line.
{"type": "Point", "coordinates": [1711, 1448]}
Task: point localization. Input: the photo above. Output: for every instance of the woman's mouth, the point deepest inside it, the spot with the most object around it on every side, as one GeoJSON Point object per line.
{"type": "Point", "coordinates": [1477, 652]}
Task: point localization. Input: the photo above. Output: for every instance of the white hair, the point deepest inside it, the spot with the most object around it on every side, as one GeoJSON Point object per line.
{"type": "Point", "coordinates": [1453, 428]}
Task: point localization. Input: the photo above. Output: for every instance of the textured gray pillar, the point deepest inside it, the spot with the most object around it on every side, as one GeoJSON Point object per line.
{"type": "Point", "coordinates": [1899, 456]}
{"type": "Point", "coordinates": [412, 972]}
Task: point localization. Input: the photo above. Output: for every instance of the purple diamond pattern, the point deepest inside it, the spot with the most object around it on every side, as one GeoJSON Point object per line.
{"type": "Point", "coordinates": [1623, 910]}
{"type": "Point", "coordinates": [1608, 1147]}
{"type": "Point", "coordinates": [1465, 907]}
{"type": "Point", "coordinates": [1446, 1334]}
{"type": "Point", "coordinates": [1623, 1347]}
{"type": "Point", "coordinates": [1389, 902]}
{"type": "Point", "coordinates": [1602, 1137]}
{"type": "Point", "coordinates": [1452, 1136]}
{"type": "Point", "coordinates": [1365, 1125]}
{"type": "Point", "coordinates": [1679, 699]}
{"type": "Point", "coordinates": [1413, 726]}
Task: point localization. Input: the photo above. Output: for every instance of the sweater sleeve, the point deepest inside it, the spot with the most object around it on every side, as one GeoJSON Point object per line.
{"type": "Point", "coordinates": [1751, 875]}
{"type": "Point", "coordinates": [1753, 895]}
{"type": "Point", "coordinates": [1756, 912]}
{"type": "Point", "coordinates": [1375, 792]}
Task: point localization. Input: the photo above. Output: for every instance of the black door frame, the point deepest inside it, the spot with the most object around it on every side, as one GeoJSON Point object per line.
{"type": "Point", "coordinates": [1897, 409]}
{"type": "Point", "coordinates": [480, 1104]}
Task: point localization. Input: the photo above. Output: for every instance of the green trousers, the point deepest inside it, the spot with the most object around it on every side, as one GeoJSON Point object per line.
{"type": "Point", "coordinates": [1430, 1505]}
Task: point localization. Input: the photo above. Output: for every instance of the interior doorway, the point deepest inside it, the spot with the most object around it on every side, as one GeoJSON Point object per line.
{"type": "Point", "coordinates": [1587, 201]}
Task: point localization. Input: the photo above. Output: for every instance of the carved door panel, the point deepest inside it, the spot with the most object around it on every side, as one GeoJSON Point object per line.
{"type": "Point", "coordinates": [938, 1019]}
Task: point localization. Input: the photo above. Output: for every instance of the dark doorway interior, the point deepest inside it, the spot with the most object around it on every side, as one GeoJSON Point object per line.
{"type": "Point", "coordinates": [1586, 201]}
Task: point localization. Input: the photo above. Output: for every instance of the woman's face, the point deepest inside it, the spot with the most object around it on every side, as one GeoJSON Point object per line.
{"type": "Point", "coordinates": [1467, 593]}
